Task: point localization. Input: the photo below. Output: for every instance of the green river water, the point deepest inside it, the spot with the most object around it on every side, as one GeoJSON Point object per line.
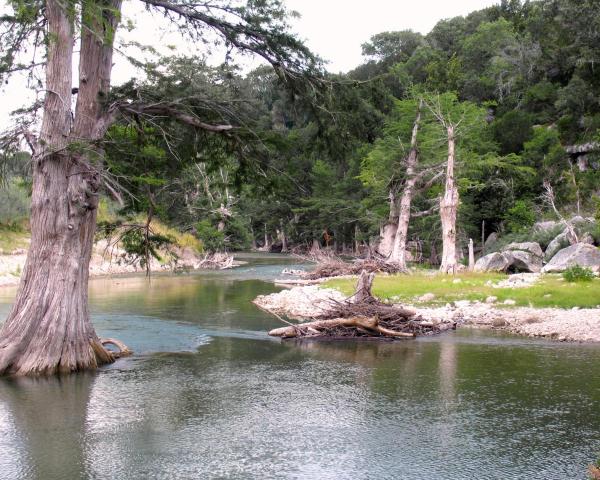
{"type": "Point", "coordinates": [209, 395]}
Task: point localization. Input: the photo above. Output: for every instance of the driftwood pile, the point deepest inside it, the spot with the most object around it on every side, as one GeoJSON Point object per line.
{"type": "Point", "coordinates": [216, 261]}
{"type": "Point", "coordinates": [330, 265]}
{"type": "Point", "coordinates": [362, 315]}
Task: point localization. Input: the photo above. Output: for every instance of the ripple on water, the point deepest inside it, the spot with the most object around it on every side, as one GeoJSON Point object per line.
{"type": "Point", "coordinates": [466, 405]}
{"type": "Point", "coordinates": [144, 334]}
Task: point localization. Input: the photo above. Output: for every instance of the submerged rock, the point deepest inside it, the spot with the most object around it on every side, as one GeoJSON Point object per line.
{"type": "Point", "coordinates": [582, 254]}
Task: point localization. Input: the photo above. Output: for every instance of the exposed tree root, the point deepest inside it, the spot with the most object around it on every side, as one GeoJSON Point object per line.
{"type": "Point", "coordinates": [123, 349]}
{"type": "Point", "coordinates": [103, 355]}
{"type": "Point", "coordinates": [89, 357]}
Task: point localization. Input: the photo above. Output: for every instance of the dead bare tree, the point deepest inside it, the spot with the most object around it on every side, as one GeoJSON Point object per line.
{"type": "Point", "coordinates": [457, 120]}
{"type": "Point", "coordinates": [450, 199]}
{"type": "Point", "coordinates": [398, 253]}
{"type": "Point", "coordinates": [549, 199]}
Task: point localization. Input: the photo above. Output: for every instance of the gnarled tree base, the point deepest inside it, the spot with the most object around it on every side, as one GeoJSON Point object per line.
{"type": "Point", "coordinates": [14, 361]}
{"type": "Point", "coordinates": [123, 349]}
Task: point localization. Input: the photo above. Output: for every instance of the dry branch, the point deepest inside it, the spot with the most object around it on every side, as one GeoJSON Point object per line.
{"type": "Point", "coordinates": [329, 265]}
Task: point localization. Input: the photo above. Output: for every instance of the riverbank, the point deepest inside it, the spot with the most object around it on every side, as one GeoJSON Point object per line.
{"type": "Point", "coordinates": [574, 324]}
{"type": "Point", "coordinates": [113, 261]}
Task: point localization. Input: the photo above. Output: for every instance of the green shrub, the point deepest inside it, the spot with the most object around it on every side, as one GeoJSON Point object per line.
{"type": "Point", "coordinates": [14, 203]}
{"type": "Point", "coordinates": [577, 273]}
{"type": "Point", "coordinates": [544, 237]}
{"type": "Point", "coordinates": [212, 239]}
{"type": "Point", "coordinates": [520, 217]}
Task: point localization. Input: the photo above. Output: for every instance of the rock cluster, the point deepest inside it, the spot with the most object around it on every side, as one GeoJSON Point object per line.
{"type": "Point", "coordinates": [562, 252]}
{"type": "Point", "coordinates": [516, 257]}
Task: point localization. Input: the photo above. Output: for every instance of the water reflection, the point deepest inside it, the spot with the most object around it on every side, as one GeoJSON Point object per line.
{"type": "Point", "coordinates": [222, 400]}
{"type": "Point", "coordinates": [48, 419]}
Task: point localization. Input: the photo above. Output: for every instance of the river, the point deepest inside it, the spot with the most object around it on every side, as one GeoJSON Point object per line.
{"type": "Point", "coordinates": [209, 395]}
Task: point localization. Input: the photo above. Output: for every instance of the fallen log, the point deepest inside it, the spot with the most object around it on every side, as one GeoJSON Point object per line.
{"type": "Point", "coordinates": [320, 327]}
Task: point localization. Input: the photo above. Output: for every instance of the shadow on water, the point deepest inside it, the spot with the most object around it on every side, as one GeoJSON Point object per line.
{"type": "Point", "coordinates": [43, 425]}
{"type": "Point", "coordinates": [209, 395]}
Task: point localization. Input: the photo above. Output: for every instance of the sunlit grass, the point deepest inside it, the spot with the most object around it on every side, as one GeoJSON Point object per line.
{"type": "Point", "coordinates": [12, 238]}
{"type": "Point", "coordinates": [549, 291]}
{"type": "Point", "coordinates": [182, 240]}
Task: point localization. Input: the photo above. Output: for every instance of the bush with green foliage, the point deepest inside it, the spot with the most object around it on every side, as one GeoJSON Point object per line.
{"type": "Point", "coordinates": [141, 245]}
{"type": "Point", "coordinates": [14, 203]}
{"type": "Point", "coordinates": [212, 239]}
{"type": "Point", "coordinates": [520, 217]}
{"type": "Point", "coordinates": [577, 273]}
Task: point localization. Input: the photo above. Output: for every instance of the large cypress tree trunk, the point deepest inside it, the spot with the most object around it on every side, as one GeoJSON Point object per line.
{"type": "Point", "coordinates": [398, 255]}
{"type": "Point", "coordinates": [448, 211]}
{"type": "Point", "coordinates": [48, 329]}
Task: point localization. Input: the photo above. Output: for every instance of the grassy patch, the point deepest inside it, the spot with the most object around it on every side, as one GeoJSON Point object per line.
{"type": "Point", "coordinates": [13, 237]}
{"type": "Point", "coordinates": [549, 291]}
{"type": "Point", "coordinates": [183, 240]}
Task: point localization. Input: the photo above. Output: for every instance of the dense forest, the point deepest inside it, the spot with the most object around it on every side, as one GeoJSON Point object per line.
{"type": "Point", "coordinates": [325, 164]}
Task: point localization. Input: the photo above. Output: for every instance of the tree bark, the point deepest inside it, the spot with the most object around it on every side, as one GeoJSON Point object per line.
{"type": "Point", "coordinates": [471, 256]}
{"type": "Point", "coordinates": [448, 210]}
{"type": "Point", "coordinates": [398, 255]}
{"type": "Point", "coordinates": [284, 246]}
{"type": "Point", "coordinates": [48, 329]}
{"type": "Point", "coordinates": [267, 245]}
{"type": "Point", "coordinates": [363, 287]}
{"type": "Point", "coordinates": [316, 247]}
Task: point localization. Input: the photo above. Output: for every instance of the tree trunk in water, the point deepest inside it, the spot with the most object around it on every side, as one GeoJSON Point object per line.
{"type": "Point", "coordinates": [398, 255]}
{"type": "Point", "coordinates": [48, 329]}
{"type": "Point", "coordinates": [448, 211]}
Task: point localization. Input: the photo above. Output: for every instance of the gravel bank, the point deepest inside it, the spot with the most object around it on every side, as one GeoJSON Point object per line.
{"type": "Point", "coordinates": [104, 262]}
{"type": "Point", "coordinates": [577, 325]}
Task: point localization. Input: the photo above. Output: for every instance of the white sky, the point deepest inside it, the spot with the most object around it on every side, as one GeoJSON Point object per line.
{"type": "Point", "coordinates": [334, 29]}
